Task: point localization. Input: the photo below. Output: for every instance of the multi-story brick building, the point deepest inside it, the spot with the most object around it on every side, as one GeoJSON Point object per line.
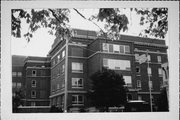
{"type": "Point", "coordinates": [63, 76]}
{"type": "Point", "coordinates": [32, 76]}
{"type": "Point", "coordinates": [18, 81]}
{"type": "Point", "coordinates": [37, 81]}
{"type": "Point", "coordinates": [74, 60]}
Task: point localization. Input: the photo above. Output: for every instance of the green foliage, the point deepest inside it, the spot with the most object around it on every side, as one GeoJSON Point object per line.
{"type": "Point", "coordinates": [107, 89]}
{"type": "Point", "coordinates": [156, 19]}
{"type": "Point", "coordinates": [114, 21]}
{"type": "Point", "coordinates": [55, 19]}
{"type": "Point", "coordinates": [17, 100]}
{"type": "Point", "coordinates": [163, 101]}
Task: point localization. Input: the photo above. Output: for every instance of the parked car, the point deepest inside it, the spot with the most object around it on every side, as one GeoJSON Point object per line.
{"type": "Point", "coordinates": [137, 106]}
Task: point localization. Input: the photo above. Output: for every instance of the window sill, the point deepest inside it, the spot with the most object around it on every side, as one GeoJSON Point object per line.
{"type": "Point", "coordinates": [77, 72]}
{"type": "Point", "coordinates": [77, 87]}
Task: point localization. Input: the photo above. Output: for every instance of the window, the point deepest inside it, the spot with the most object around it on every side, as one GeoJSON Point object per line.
{"type": "Point", "coordinates": [77, 82]}
{"type": "Point", "coordinates": [63, 53]}
{"type": "Point", "coordinates": [33, 94]}
{"type": "Point", "coordinates": [159, 59]}
{"type": "Point", "coordinates": [139, 97]}
{"type": "Point", "coordinates": [14, 84]}
{"type": "Point", "coordinates": [105, 47]}
{"type": "Point", "coordinates": [33, 83]}
{"type": "Point", "coordinates": [149, 71]}
{"type": "Point", "coordinates": [116, 48]}
{"type": "Point", "coordinates": [63, 69]}
{"type": "Point", "coordinates": [127, 49]}
{"type": "Point", "coordinates": [105, 63]}
{"type": "Point", "coordinates": [117, 64]}
{"type": "Point", "coordinates": [33, 103]}
{"type": "Point", "coordinates": [77, 99]}
{"type": "Point", "coordinates": [138, 83]}
{"type": "Point", "coordinates": [160, 71]}
{"type": "Point", "coordinates": [19, 74]}
{"type": "Point", "coordinates": [34, 73]}
{"type": "Point", "coordinates": [58, 57]}
{"type": "Point", "coordinates": [19, 85]}
{"type": "Point", "coordinates": [77, 67]}
{"type": "Point", "coordinates": [128, 81]}
{"type": "Point", "coordinates": [110, 48]}
{"type": "Point", "coordinates": [14, 74]}
{"type": "Point", "coordinates": [137, 69]}
{"type": "Point", "coordinates": [121, 49]}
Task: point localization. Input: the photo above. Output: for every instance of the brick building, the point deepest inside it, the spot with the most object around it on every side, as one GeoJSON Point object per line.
{"type": "Point", "coordinates": [74, 60]}
{"type": "Point", "coordinates": [63, 77]}
{"type": "Point", "coordinates": [32, 76]}
{"type": "Point", "coordinates": [17, 73]}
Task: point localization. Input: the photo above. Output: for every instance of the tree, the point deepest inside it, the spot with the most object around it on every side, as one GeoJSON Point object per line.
{"type": "Point", "coordinates": [156, 18]}
{"type": "Point", "coordinates": [17, 100]}
{"type": "Point", "coordinates": [107, 89]}
{"type": "Point", "coordinates": [114, 21]}
{"type": "Point", "coordinates": [163, 101]}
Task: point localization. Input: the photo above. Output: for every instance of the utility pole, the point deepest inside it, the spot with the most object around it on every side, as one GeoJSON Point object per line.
{"type": "Point", "coordinates": [66, 76]}
{"type": "Point", "coordinates": [149, 83]}
{"type": "Point", "coordinates": [142, 59]}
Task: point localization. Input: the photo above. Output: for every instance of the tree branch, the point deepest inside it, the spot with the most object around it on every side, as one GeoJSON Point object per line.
{"type": "Point", "coordinates": [89, 20]}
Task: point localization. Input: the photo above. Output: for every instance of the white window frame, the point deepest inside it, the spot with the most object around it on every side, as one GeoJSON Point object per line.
{"type": "Point", "coordinates": [33, 103]}
{"type": "Point", "coordinates": [120, 49]}
{"type": "Point", "coordinates": [14, 84]}
{"type": "Point", "coordinates": [77, 67]}
{"type": "Point", "coordinates": [127, 50]}
{"type": "Point", "coordinates": [127, 84]}
{"type": "Point", "coordinates": [139, 97]}
{"type": "Point", "coordinates": [18, 85]}
{"type": "Point", "coordinates": [75, 83]}
{"type": "Point", "coordinates": [63, 53]}
{"type": "Point", "coordinates": [33, 84]}
{"type": "Point", "coordinates": [116, 48]}
{"type": "Point", "coordinates": [159, 59]}
{"type": "Point", "coordinates": [33, 96]}
{"type": "Point", "coordinates": [19, 74]}
{"type": "Point", "coordinates": [105, 47]}
{"type": "Point", "coordinates": [14, 74]}
{"type": "Point", "coordinates": [58, 58]}
{"type": "Point", "coordinates": [105, 63]}
{"type": "Point", "coordinates": [160, 72]}
{"type": "Point", "coordinates": [112, 48]}
{"type": "Point", "coordinates": [77, 100]}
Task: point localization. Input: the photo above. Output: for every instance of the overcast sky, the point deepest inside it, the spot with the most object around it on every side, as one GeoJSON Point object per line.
{"type": "Point", "coordinates": [41, 42]}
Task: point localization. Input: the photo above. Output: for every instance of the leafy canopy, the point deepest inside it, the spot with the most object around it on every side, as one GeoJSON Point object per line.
{"type": "Point", "coordinates": [107, 89]}
{"type": "Point", "coordinates": [114, 21]}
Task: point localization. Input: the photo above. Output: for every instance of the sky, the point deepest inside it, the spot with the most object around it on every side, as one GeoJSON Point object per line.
{"type": "Point", "coordinates": [41, 42]}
